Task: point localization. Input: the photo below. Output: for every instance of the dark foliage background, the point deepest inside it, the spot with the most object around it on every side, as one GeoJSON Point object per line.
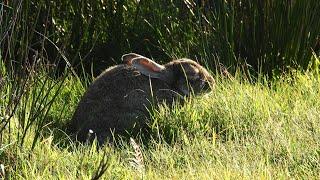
{"type": "Point", "coordinates": [260, 35]}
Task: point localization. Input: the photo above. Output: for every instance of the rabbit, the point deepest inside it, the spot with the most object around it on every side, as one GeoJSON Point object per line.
{"type": "Point", "coordinates": [119, 98]}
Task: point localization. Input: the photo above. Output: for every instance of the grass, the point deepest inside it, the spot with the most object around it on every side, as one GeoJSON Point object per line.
{"type": "Point", "coordinates": [265, 130]}
{"type": "Point", "coordinates": [252, 126]}
{"type": "Point", "coordinates": [267, 35]}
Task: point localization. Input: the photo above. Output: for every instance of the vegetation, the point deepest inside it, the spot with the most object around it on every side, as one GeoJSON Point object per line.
{"type": "Point", "coordinates": [264, 35]}
{"type": "Point", "coordinates": [250, 125]}
{"type": "Point", "coordinates": [240, 130]}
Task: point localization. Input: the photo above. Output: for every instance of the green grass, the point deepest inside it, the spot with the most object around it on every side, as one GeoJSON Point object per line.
{"type": "Point", "coordinates": [268, 35]}
{"type": "Point", "coordinates": [239, 130]}
{"type": "Point", "coordinates": [256, 126]}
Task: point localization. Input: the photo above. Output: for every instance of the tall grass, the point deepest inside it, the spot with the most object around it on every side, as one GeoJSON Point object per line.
{"type": "Point", "coordinates": [240, 130]}
{"type": "Point", "coordinates": [264, 35]}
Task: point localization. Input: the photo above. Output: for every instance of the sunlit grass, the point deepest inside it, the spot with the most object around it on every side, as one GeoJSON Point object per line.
{"type": "Point", "coordinates": [239, 130]}
{"type": "Point", "coordinates": [248, 127]}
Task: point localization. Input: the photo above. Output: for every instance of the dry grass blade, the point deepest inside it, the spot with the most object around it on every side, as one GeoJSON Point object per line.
{"type": "Point", "coordinates": [137, 162]}
{"type": "Point", "coordinates": [2, 172]}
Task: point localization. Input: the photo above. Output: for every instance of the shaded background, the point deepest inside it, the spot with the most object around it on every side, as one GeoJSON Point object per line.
{"type": "Point", "coordinates": [261, 35]}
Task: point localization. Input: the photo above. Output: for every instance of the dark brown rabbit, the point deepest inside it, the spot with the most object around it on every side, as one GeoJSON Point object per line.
{"type": "Point", "coordinates": [118, 100]}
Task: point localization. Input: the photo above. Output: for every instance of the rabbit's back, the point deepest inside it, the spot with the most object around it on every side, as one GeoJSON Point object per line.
{"type": "Point", "coordinates": [117, 100]}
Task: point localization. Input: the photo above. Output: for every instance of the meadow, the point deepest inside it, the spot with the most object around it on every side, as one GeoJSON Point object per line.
{"type": "Point", "coordinates": [260, 122]}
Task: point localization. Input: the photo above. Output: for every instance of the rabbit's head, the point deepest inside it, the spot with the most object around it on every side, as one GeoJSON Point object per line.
{"type": "Point", "coordinates": [184, 75]}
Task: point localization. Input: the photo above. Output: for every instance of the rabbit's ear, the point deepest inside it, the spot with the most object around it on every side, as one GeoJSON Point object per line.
{"type": "Point", "coordinates": [127, 58]}
{"type": "Point", "coordinates": [148, 67]}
